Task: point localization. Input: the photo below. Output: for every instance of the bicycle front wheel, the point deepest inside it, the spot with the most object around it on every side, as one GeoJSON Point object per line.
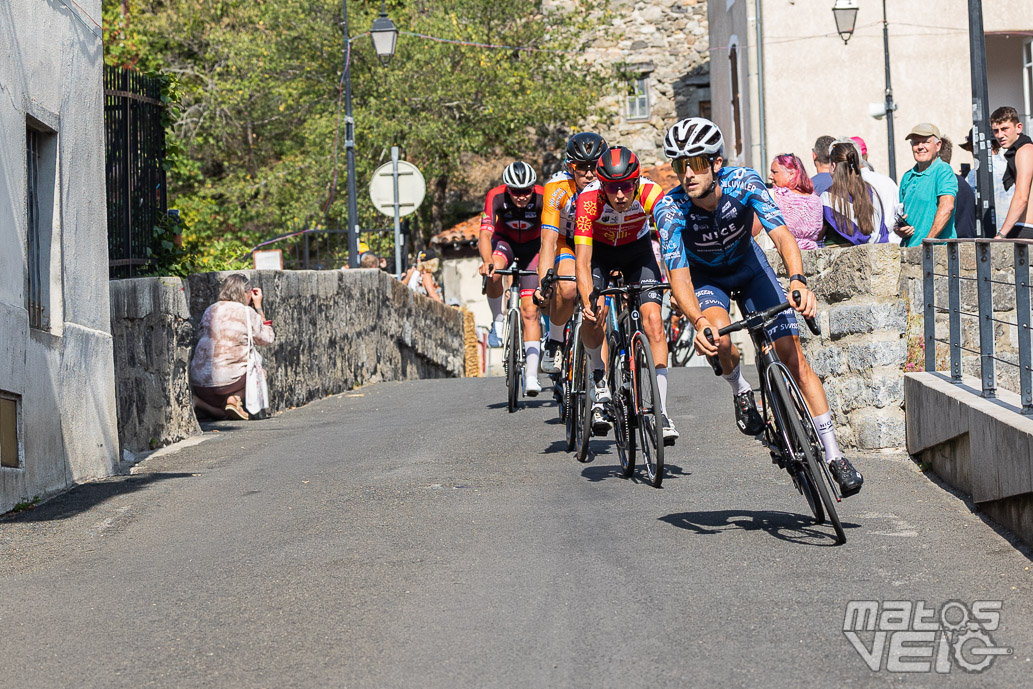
{"type": "Point", "coordinates": [806, 448]}
{"type": "Point", "coordinates": [584, 413]}
{"type": "Point", "coordinates": [623, 430]}
{"type": "Point", "coordinates": [647, 410]}
{"type": "Point", "coordinates": [513, 345]}
{"type": "Point", "coordinates": [683, 348]}
{"type": "Point", "coordinates": [572, 390]}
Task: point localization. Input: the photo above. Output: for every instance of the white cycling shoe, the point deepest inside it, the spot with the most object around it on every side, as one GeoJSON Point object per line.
{"type": "Point", "coordinates": [532, 387]}
{"type": "Point", "coordinates": [599, 391]}
{"type": "Point", "coordinates": [494, 335]}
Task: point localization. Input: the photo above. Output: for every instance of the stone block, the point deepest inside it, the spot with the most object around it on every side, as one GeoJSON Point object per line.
{"type": "Point", "coordinates": [853, 319]}
{"type": "Point", "coordinates": [827, 361]}
{"type": "Point", "coordinates": [878, 429]}
{"type": "Point", "coordinates": [864, 355]}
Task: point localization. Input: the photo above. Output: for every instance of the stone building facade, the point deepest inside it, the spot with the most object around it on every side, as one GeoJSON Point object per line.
{"type": "Point", "coordinates": [660, 49]}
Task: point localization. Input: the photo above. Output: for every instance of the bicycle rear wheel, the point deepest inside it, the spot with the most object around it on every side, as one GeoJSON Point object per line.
{"type": "Point", "coordinates": [683, 348]}
{"type": "Point", "coordinates": [513, 345]}
{"type": "Point", "coordinates": [647, 409]}
{"type": "Point", "coordinates": [806, 447]}
{"type": "Point", "coordinates": [584, 414]}
{"type": "Point", "coordinates": [623, 431]}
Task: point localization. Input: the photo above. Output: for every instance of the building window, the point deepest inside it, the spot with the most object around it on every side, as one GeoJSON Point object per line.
{"type": "Point", "coordinates": [638, 99]}
{"type": "Point", "coordinates": [733, 71]}
{"type": "Point", "coordinates": [41, 176]}
{"type": "Point", "coordinates": [704, 109]}
{"type": "Point", "coordinates": [1027, 81]}
{"type": "Point", "coordinates": [9, 446]}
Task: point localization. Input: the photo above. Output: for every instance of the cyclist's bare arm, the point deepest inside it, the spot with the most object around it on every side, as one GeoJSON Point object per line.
{"type": "Point", "coordinates": [484, 248]}
{"type": "Point", "coordinates": [789, 250]}
{"type": "Point", "coordinates": [583, 272]}
{"type": "Point", "coordinates": [547, 253]}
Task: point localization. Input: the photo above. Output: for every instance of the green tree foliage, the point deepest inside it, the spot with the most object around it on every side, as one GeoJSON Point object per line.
{"type": "Point", "coordinates": [260, 83]}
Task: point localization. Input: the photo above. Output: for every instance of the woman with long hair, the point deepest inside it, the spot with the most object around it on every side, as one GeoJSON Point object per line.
{"type": "Point", "coordinates": [853, 212]}
{"type": "Point", "coordinates": [793, 193]}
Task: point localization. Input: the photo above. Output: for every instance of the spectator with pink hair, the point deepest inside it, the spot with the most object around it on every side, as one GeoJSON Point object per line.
{"type": "Point", "coordinates": [793, 193]}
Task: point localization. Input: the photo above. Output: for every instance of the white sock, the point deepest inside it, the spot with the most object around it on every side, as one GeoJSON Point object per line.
{"type": "Point", "coordinates": [828, 436]}
{"type": "Point", "coordinates": [661, 384]}
{"type": "Point", "coordinates": [595, 358]}
{"type": "Point", "coordinates": [555, 331]}
{"type": "Point", "coordinates": [532, 353]}
{"type": "Point", "coordinates": [736, 380]}
{"type": "Point", "coordinates": [495, 303]}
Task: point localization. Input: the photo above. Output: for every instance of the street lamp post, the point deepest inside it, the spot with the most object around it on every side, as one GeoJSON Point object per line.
{"type": "Point", "coordinates": [986, 225]}
{"type": "Point", "coordinates": [384, 34]}
{"type": "Point", "coordinates": [845, 13]}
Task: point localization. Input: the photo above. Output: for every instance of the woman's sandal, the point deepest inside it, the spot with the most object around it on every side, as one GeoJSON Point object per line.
{"type": "Point", "coordinates": [234, 411]}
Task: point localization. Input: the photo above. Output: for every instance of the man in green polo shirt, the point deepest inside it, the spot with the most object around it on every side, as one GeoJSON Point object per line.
{"type": "Point", "coordinates": [927, 190]}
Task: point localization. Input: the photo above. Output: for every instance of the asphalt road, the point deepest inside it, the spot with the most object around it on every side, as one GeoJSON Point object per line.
{"type": "Point", "coordinates": [417, 535]}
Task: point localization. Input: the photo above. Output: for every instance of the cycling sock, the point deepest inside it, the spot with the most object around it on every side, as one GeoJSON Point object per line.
{"type": "Point", "coordinates": [828, 436]}
{"type": "Point", "coordinates": [532, 353]}
{"type": "Point", "coordinates": [555, 331]}
{"type": "Point", "coordinates": [661, 384]}
{"type": "Point", "coordinates": [595, 358]}
{"type": "Point", "coordinates": [738, 383]}
{"type": "Point", "coordinates": [496, 307]}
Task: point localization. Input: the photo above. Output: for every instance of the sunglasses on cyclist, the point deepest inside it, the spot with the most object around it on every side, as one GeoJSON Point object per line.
{"type": "Point", "coordinates": [583, 167]}
{"type": "Point", "coordinates": [698, 164]}
{"type": "Point", "coordinates": [520, 191]}
{"type": "Point", "coordinates": [623, 187]}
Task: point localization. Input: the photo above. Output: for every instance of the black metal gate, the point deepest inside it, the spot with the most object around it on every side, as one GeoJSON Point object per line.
{"type": "Point", "coordinates": [134, 141]}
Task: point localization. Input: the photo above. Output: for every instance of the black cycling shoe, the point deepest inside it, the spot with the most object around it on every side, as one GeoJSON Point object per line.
{"type": "Point", "coordinates": [601, 425]}
{"type": "Point", "coordinates": [848, 478]}
{"type": "Point", "coordinates": [747, 418]}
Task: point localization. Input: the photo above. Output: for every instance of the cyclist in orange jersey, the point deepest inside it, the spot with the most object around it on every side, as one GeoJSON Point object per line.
{"type": "Point", "coordinates": [583, 150]}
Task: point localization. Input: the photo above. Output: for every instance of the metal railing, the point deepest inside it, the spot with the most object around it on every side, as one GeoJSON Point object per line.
{"type": "Point", "coordinates": [985, 316]}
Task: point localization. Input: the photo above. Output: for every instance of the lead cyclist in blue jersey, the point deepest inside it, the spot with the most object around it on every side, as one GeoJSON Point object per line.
{"type": "Point", "coordinates": [706, 227]}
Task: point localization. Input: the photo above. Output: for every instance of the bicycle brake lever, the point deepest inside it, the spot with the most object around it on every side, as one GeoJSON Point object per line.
{"type": "Point", "coordinates": [812, 323]}
{"type": "Point", "coordinates": [714, 362]}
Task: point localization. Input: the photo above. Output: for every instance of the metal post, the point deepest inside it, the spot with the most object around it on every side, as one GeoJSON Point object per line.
{"type": "Point", "coordinates": [954, 307]}
{"type": "Point", "coordinates": [398, 224]}
{"type": "Point", "coordinates": [988, 365]}
{"type": "Point", "coordinates": [986, 225]}
{"type": "Point", "coordinates": [890, 105]}
{"type": "Point", "coordinates": [349, 145]}
{"type": "Point", "coordinates": [929, 297]}
{"type": "Point", "coordinates": [1022, 304]}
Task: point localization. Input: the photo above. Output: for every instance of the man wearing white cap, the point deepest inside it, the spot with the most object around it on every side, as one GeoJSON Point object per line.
{"type": "Point", "coordinates": [927, 190]}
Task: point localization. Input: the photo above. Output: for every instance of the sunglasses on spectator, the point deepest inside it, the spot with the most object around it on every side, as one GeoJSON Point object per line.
{"type": "Point", "coordinates": [583, 167]}
{"type": "Point", "coordinates": [623, 187]}
{"type": "Point", "coordinates": [520, 191]}
{"type": "Point", "coordinates": [698, 164]}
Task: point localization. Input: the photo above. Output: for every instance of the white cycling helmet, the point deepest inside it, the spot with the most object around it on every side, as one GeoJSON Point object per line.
{"type": "Point", "coordinates": [519, 175]}
{"type": "Point", "coordinates": [693, 136]}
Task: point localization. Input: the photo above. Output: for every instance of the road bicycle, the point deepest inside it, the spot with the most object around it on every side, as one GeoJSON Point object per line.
{"type": "Point", "coordinates": [513, 357]}
{"type": "Point", "coordinates": [789, 431]}
{"type": "Point", "coordinates": [561, 380]}
{"type": "Point", "coordinates": [680, 336]}
{"type": "Point", "coordinates": [635, 397]}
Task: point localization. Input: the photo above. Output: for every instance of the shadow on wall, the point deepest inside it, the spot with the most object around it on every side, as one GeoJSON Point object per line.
{"type": "Point", "coordinates": [690, 91]}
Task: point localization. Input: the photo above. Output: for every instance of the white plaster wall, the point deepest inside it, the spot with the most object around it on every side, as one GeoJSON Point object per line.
{"type": "Point", "coordinates": [815, 85]}
{"type": "Point", "coordinates": [51, 60]}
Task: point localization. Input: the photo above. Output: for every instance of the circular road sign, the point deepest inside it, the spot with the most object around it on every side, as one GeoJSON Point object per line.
{"type": "Point", "coordinates": [411, 189]}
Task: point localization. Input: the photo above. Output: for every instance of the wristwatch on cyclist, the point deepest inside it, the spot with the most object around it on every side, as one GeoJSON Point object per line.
{"type": "Point", "coordinates": [798, 278]}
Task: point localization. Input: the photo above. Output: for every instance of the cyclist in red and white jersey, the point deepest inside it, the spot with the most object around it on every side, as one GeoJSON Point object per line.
{"type": "Point", "coordinates": [511, 228]}
{"type": "Point", "coordinates": [613, 232]}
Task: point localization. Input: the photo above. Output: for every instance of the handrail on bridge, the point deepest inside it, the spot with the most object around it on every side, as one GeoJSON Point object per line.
{"type": "Point", "coordinates": [987, 322]}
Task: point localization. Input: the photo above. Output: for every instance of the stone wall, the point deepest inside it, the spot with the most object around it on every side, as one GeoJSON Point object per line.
{"type": "Point", "coordinates": [861, 353]}
{"type": "Point", "coordinates": [334, 330]}
{"type": "Point", "coordinates": [667, 42]}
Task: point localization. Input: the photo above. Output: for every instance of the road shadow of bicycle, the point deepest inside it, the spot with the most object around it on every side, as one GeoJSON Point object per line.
{"type": "Point", "coordinates": [602, 472]}
{"type": "Point", "coordinates": [785, 526]}
{"type": "Point", "coordinates": [525, 404]}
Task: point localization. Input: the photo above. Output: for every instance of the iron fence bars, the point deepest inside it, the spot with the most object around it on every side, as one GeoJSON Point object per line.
{"type": "Point", "coordinates": [134, 140]}
{"type": "Point", "coordinates": [34, 275]}
{"type": "Point", "coordinates": [984, 317]}
{"type": "Point", "coordinates": [985, 298]}
{"type": "Point", "coordinates": [1022, 317]}
{"type": "Point", "coordinates": [929, 312]}
{"type": "Point", "coordinates": [954, 314]}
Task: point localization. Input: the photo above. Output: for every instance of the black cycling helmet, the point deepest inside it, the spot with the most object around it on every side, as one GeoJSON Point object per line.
{"type": "Point", "coordinates": [617, 164]}
{"type": "Point", "coordinates": [585, 147]}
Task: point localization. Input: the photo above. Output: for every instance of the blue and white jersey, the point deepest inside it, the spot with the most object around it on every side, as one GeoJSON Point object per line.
{"type": "Point", "coordinates": [694, 237]}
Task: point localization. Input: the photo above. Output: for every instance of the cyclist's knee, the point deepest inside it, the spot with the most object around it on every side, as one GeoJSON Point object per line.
{"type": "Point", "coordinates": [528, 311]}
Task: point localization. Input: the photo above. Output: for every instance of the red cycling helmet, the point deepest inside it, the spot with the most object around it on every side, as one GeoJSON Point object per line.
{"type": "Point", "coordinates": [617, 164]}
